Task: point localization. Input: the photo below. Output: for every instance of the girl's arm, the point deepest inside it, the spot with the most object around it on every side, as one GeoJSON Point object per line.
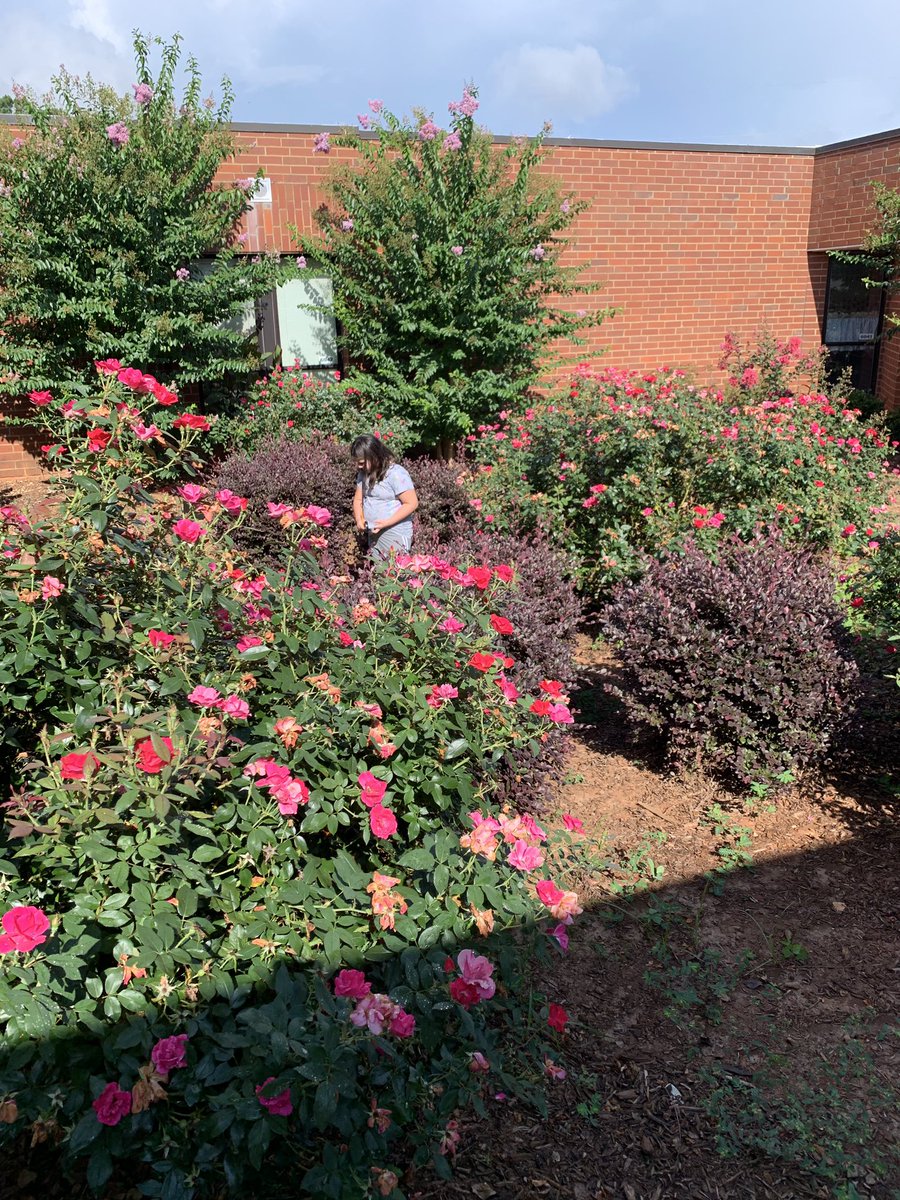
{"type": "Point", "coordinates": [358, 508]}
{"type": "Point", "coordinates": [409, 502]}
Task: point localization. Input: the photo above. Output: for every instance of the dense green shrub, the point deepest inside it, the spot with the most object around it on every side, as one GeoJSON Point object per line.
{"type": "Point", "coordinates": [628, 464]}
{"type": "Point", "coordinates": [290, 405]}
{"type": "Point", "coordinates": [445, 254]}
{"type": "Point", "coordinates": [737, 664]}
{"type": "Point", "coordinates": [233, 786]}
{"type": "Point", "coordinates": [108, 205]}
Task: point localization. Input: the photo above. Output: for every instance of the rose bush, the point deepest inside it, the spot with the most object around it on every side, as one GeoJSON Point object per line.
{"type": "Point", "coordinates": [629, 464]}
{"type": "Point", "coordinates": [290, 405]}
{"type": "Point", "coordinates": [251, 826]}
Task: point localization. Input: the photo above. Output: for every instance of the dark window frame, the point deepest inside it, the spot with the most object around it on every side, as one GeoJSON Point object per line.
{"type": "Point", "coordinates": [873, 344]}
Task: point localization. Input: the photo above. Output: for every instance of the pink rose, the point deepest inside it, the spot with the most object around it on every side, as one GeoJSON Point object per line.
{"type": "Point", "coordinates": [351, 983]}
{"type": "Point", "coordinates": [188, 531]}
{"type": "Point", "coordinates": [230, 502]}
{"type": "Point", "coordinates": [158, 639]}
{"type": "Point", "coordinates": [51, 587]}
{"type": "Point", "coordinates": [290, 795]}
{"type": "Point", "coordinates": [476, 970]}
{"type": "Point", "coordinates": [374, 1012]}
{"type": "Point", "coordinates": [234, 706]}
{"type": "Point", "coordinates": [318, 516]}
{"type": "Point", "coordinates": [451, 625]}
{"type": "Point", "coordinates": [524, 857]}
{"type": "Point", "coordinates": [382, 821]}
{"type": "Point", "coordinates": [247, 642]}
{"type": "Point", "coordinates": [112, 1105]}
{"type": "Point", "coordinates": [24, 928]}
{"type": "Point", "coordinates": [205, 697]}
{"type": "Point", "coordinates": [573, 823]}
{"type": "Point", "coordinates": [371, 789]}
{"type": "Point", "coordinates": [278, 1106]}
{"type": "Point", "coordinates": [169, 1054]}
{"type": "Point", "coordinates": [193, 492]}
{"type": "Point", "coordinates": [41, 399]}
{"type": "Point", "coordinates": [403, 1025]}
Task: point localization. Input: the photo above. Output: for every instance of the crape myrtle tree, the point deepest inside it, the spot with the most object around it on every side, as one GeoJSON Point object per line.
{"type": "Point", "coordinates": [445, 254]}
{"type": "Point", "coordinates": [115, 240]}
{"type": "Point", "coordinates": [879, 254]}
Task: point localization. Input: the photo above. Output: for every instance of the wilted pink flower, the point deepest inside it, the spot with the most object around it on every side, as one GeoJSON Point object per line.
{"type": "Point", "coordinates": [230, 502]}
{"type": "Point", "coordinates": [351, 983]}
{"type": "Point", "coordinates": [560, 903]}
{"type": "Point", "coordinates": [478, 1064]}
{"type": "Point", "coordinates": [553, 1071]}
{"type": "Point", "coordinates": [143, 93]}
{"type": "Point", "coordinates": [51, 587]}
{"type": "Point", "coordinates": [278, 1106]}
{"type": "Point", "coordinates": [118, 133]}
{"type": "Point", "coordinates": [322, 143]}
{"type": "Point", "coordinates": [560, 934]}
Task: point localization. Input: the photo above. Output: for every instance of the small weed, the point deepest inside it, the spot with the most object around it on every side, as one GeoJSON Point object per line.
{"type": "Point", "coordinates": [571, 778]}
{"type": "Point", "coordinates": [591, 1107]}
{"type": "Point", "coordinates": [791, 951]}
{"type": "Point", "coordinates": [636, 871]}
{"type": "Point", "coordinates": [734, 845]}
{"type": "Point", "coordinates": [823, 1130]}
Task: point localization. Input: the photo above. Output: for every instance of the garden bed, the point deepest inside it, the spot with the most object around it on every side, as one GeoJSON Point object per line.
{"type": "Point", "coordinates": [812, 1008]}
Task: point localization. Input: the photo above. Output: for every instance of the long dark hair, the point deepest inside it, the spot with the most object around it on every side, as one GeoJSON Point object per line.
{"type": "Point", "coordinates": [374, 454]}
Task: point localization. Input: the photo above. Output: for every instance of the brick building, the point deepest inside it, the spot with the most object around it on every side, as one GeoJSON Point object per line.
{"type": "Point", "coordinates": [687, 241]}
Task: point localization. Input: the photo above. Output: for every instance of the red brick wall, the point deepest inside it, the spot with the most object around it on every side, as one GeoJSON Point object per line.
{"type": "Point", "coordinates": [841, 214]}
{"type": "Point", "coordinates": [688, 244]}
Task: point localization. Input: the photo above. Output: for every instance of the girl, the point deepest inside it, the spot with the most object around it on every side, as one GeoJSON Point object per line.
{"type": "Point", "coordinates": [385, 498]}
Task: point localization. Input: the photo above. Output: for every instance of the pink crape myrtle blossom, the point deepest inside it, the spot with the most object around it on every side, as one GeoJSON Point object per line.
{"type": "Point", "coordinates": [322, 143]}
{"type": "Point", "coordinates": [118, 133]}
{"type": "Point", "coordinates": [143, 93]}
{"type": "Point", "coordinates": [376, 106]}
{"type": "Point", "coordinates": [457, 250]}
{"type": "Point", "coordinates": [24, 928]}
{"type": "Point", "coordinates": [452, 141]}
{"type": "Point", "coordinates": [428, 131]}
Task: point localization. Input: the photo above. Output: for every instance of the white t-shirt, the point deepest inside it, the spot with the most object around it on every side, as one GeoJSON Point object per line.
{"type": "Point", "coordinates": [382, 499]}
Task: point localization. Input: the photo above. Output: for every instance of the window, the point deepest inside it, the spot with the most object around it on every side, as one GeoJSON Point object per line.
{"type": "Point", "coordinates": [853, 315]}
{"type": "Point", "coordinates": [304, 324]}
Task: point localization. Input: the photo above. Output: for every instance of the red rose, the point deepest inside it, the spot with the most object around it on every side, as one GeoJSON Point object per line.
{"type": "Point", "coordinates": [481, 662]}
{"type": "Point", "coordinates": [464, 993]}
{"type": "Point", "coordinates": [480, 576]}
{"type": "Point", "coordinates": [191, 421]}
{"type": "Point", "coordinates": [540, 708]}
{"type": "Point", "coordinates": [148, 760]}
{"type": "Point", "coordinates": [169, 1054]}
{"type": "Point", "coordinates": [98, 439]}
{"type": "Point", "coordinates": [500, 624]}
{"type": "Point", "coordinates": [72, 765]}
{"type": "Point", "coordinates": [558, 1018]}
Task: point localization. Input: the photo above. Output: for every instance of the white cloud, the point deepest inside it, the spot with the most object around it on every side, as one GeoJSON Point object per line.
{"type": "Point", "coordinates": [94, 17]}
{"type": "Point", "coordinates": [561, 85]}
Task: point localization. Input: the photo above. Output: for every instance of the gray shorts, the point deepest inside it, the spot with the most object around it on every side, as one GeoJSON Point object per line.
{"type": "Point", "coordinates": [397, 539]}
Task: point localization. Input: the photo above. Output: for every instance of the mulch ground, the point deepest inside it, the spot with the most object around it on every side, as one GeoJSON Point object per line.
{"type": "Point", "coordinates": [794, 969]}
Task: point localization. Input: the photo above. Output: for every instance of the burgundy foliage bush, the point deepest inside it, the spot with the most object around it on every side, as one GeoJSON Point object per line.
{"type": "Point", "coordinates": [739, 665]}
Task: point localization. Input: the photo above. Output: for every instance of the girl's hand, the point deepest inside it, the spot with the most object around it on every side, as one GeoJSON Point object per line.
{"type": "Point", "coordinates": [377, 526]}
{"type": "Point", "coordinates": [360, 525]}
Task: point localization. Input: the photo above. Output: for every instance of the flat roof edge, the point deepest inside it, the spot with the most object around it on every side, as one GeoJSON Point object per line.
{"type": "Point", "coordinates": [886, 135]}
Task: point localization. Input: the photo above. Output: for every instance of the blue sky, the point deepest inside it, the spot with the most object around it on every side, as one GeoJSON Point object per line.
{"type": "Point", "coordinates": [757, 72]}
